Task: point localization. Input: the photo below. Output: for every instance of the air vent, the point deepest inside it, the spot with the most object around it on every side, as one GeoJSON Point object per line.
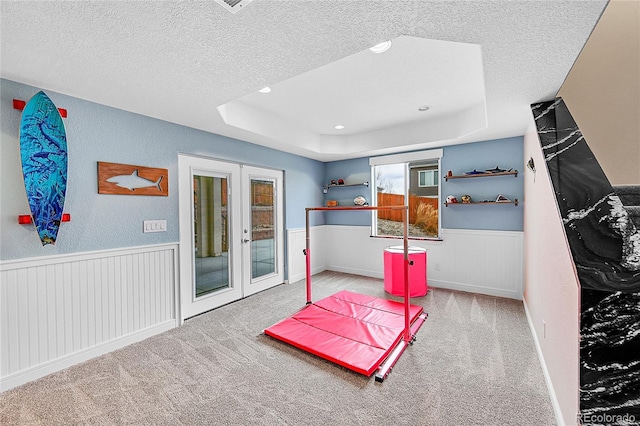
{"type": "Point", "coordinates": [233, 6]}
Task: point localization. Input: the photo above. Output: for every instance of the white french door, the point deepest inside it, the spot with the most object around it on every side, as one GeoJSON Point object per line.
{"type": "Point", "coordinates": [263, 231]}
{"type": "Point", "coordinates": [231, 232]}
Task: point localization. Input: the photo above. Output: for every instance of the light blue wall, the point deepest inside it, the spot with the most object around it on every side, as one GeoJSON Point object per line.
{"type": "Point", "coordinates": [99, 133]}
{"type": "Point", "coordinates": [352, 171]}
{"type": "Point", "coordinates": [506, 153]}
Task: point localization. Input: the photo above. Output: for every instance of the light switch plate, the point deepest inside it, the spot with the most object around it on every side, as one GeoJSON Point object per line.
{"type": "Point", "coordinates": [155, 226]}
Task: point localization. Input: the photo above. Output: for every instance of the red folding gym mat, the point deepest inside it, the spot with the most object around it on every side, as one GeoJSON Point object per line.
{"type": "Point", "coordinates": [350, 329]}
{"type": "Point", "coordinates": [359, 332]}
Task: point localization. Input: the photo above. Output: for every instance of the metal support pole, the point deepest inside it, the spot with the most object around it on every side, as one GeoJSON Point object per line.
{"type": "Point", "coordinates": [408, 334]}
{"type": "Point", "coordinates": [307, 254]}
{"type": "Point", "coordinates": [307, 250]}
{"type": "Point", "coordinates": [407, 331]}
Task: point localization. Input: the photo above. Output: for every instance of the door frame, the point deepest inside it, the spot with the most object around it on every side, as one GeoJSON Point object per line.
{"type": "Point", "coordinates": [188, 166]}
{"type": "Point", "coordinates": [251, 285]}
{"type": "Point", "coordinates": [238, 212]}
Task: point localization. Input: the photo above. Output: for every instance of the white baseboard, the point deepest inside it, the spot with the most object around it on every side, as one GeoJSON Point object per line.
{"type": "Point", "coordinates": [296, 245]}
{"type": "Point", "coordinates": [355, 271]}
{"type": "Point", "coordinates": [470, 288]}
{"type": "Point", "coordinates": [67, 361]}
{"type": "Point", "coordinates": [477, 261]}
{"type": "Point", "coordinates": [300, 277]}
{"type": "Point", "coordinates": [547, 377]}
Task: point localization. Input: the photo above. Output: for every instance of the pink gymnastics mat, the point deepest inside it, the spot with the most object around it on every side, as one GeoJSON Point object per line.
{"type": "Point", "coordinates": [350, 329]}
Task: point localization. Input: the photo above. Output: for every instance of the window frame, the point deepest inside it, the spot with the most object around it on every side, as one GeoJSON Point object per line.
{"type": "Point", "coordinates": [406, 159]}
{"type": "Point", "coordinates": [434, 177]}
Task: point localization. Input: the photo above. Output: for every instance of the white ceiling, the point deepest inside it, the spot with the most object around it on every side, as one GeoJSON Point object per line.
{"type": "Point", "coordinates": [478, 65]}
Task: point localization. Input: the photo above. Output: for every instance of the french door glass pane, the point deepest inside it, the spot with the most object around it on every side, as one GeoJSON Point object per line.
{"type": "Point", "coordinates": [211, 231]}
{"type": "Point", "coordinates": [263, 248]}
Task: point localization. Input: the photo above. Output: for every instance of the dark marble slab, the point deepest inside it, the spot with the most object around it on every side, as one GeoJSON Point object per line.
{"type": "Point", "coordinates": [604, 241]}
{"type": "Point", "coordinates": [610, 356]}
{"type": "Point", "coordinates": [605, 246]}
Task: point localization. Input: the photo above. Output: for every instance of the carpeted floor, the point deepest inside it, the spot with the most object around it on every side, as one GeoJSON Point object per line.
{"type": "Point", "coordinates": [474, 363]}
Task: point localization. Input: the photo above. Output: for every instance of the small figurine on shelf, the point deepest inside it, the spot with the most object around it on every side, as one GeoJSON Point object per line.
{"type": "Point", "coordinates": [496, 170]}
{"type": "Point", "coordinates": [466, 199]}
{"type": "Point", "coordinates": [332, 203]}
{"type": "Point", "coordinates": [333, 182]}
{"type": "Point", "coordinates": [502, 199]}
{"type": "Point", "coordinates": [340, 181]}
{"type": "Point", "coordinates": [449, 173]}
{"type": "Point", "coordinates": [360, 201]}
{"type": "Point", "coordinates": [451, 199]}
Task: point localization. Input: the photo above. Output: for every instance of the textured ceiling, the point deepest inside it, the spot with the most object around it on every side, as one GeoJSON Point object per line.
{"type": "Point", "coordinates": [180, 61]}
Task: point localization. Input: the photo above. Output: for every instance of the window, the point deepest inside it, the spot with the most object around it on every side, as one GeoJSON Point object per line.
{"type": "Point", "coordinates": [407, 179]}
{"type": "Point", "coordinates": [427, 178]}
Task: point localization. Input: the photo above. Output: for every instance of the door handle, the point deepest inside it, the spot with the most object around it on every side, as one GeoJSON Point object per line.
{"type": "Point", "coordinates": [246, 240]}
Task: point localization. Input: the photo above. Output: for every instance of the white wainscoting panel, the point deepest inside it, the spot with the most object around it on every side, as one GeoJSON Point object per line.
{"type": "Point", "coordinates": [479, 261]}
{"type": "Point", "coordinates": [60, 310]}
{"type": "Point", "coordinates": [351, 249]}
{"type": "Point", "coordinates": [296, 243]}
{"type": "Point", "coordinates": [488, 262]}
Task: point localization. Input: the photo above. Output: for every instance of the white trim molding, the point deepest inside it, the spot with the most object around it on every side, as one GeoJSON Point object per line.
{"type": "Point", "coordinates": [296, 243]}
{"type": "Point", "coordinates": [430, 154]}
{"type": "Point", "coordinates": [478, 261]}
{"type": "Point", "coordinates": [545, 371]}
{"type": "Point", "coordinates": [60, 310]}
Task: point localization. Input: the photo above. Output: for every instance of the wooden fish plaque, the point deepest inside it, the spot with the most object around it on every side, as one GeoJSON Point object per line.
{"type": "Point", "coordinates": [126, 179]}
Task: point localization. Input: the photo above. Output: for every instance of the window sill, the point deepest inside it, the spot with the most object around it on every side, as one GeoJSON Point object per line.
{"type": "Point", "coordinates": [390, 237]}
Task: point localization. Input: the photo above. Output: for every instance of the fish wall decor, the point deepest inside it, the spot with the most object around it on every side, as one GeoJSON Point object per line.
{"type": "Point", "coordinates": [127, 179]}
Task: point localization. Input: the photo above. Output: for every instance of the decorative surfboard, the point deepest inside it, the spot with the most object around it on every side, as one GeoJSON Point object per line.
{"type": "Point", "coordinates": [43, 151]}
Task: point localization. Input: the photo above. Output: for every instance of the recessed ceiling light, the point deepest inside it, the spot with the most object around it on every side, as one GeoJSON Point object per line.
{"type": "Point", "coordinates": [338, 127]}
{"type": "Point", "coordinates": [265, 90]}
{"type": "Point", "coordinates": [423, 108]}
{"type": "Point", "coordinates": [381, 47]}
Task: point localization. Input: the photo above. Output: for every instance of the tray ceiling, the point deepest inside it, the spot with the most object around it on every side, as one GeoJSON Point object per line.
{"type": "Point", "coordinates": [476, 65]}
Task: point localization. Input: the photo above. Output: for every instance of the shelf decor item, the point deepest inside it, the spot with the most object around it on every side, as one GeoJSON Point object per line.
{"type": "Point", "coordinates": [477, 174]}
{"type": "Point", "coordinates": [325, 189]}
{"type": "Point", "coordinates": [496, 170]}
{"type": "Point", "coordinates": [360, 201]}
{"type": "Point", "coordinates": [466, 199]}
{"type": "Point", "coordinates": [474, 172]}
{"type": "Point", "coordinates": [43, 152]}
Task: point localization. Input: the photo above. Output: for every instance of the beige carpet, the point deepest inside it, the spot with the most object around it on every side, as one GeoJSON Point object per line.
{"type": "Point", "coordinates": [474, 363]}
